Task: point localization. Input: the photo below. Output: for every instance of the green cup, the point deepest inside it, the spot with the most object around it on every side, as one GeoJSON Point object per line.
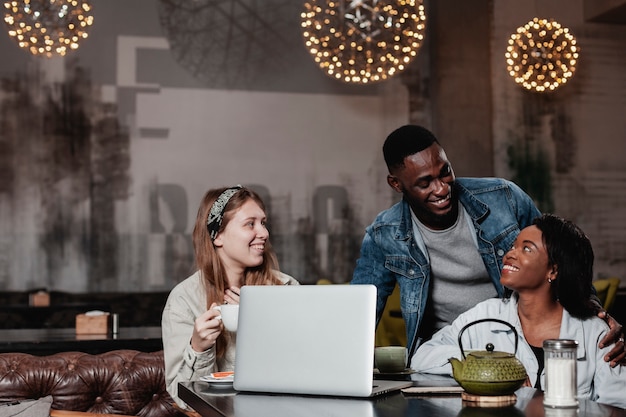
{"type": "Point", "coordinates": [390, 359]}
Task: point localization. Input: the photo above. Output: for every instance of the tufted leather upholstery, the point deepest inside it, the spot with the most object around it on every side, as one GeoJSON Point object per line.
{"type": "Point", "coordinates": [117, 382]}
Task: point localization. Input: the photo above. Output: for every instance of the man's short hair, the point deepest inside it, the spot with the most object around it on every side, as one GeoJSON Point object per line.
{"type": "Point", "coordinates": [405, 141]}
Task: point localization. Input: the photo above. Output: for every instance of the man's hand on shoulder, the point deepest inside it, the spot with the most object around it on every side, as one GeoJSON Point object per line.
{"type": "Point", "coordinates": [615, 337]}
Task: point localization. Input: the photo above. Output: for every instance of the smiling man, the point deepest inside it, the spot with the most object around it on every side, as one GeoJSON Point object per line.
{"type": "Point", "coordinates": [443, 243]}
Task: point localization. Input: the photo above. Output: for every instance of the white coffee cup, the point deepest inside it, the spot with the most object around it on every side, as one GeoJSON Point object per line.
{"type": "Point", "coordinates": [229, 314]}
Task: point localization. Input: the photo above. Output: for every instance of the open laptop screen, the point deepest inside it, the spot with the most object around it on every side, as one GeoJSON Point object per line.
{"type": "Point", "coordinates": [308, 339]}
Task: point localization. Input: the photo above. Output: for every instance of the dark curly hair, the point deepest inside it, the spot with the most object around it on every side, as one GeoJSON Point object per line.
{"type": "Point", "coordinates": [405, 141]}
{"type": "Point", "coordinates": [570, 250]}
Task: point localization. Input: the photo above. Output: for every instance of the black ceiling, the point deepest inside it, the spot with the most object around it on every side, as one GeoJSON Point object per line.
{"type": "Point", "coordinates": [605, 11]}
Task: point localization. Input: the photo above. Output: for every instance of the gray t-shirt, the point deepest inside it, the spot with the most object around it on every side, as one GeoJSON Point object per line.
{"type": "Point", "coordinates": [459, 279]}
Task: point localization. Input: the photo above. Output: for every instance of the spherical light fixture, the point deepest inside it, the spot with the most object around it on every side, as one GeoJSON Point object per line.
{"type": "Point", "coordinates": [363, 41]}
{"type": "Point", "coordinates": [48, 27]}
{"type": "Point", "coordinates": [542, 55]}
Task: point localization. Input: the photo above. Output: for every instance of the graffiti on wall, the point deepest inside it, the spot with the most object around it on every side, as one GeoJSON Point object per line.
{"type": "Point", "coordinates": [65, 164]}
{"type": "Point", "coordinates": [65, 167]}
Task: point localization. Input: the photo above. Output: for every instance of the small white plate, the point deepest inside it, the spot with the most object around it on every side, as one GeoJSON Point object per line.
{"type": "Point", "coordinates": [432, 390]}
{"type": "Point", "coordinates": [223, 380]}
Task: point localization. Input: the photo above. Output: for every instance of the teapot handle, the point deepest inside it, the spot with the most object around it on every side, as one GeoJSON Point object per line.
{"type": "Point", "coordinates": [481, 321]}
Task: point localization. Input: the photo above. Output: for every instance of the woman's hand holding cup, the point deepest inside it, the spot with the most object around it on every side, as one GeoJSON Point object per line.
{"type": "Point", "coordinates": [206, 329]}
{"type": "Point", "coordinates": [229, 315]}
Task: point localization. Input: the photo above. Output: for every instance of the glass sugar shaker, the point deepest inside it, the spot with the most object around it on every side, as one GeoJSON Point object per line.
{"type": "Point", "coordinates": [560, 366]}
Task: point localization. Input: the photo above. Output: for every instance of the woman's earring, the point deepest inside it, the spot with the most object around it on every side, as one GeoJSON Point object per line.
{"type": "Point", "coordinates": [549, 280]}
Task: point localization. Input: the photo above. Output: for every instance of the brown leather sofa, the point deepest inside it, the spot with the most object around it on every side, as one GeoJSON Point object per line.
{"type": "Point", "coordinates": [125, 382]}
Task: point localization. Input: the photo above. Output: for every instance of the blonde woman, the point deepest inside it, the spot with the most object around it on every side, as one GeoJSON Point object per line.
{"type": "Point", "coordinates": [232, 249]}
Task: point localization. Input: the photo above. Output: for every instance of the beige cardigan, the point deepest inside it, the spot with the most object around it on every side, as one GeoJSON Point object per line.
{"type": "Point", "coordinates": [186, 302]}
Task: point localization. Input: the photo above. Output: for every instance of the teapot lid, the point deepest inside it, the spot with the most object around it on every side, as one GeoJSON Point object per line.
{"type": "Point", "coordinates": [490, 353]}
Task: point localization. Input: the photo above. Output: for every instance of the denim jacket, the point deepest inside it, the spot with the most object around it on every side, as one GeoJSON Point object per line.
{"type": "Point", "coordinates": [497, 209]}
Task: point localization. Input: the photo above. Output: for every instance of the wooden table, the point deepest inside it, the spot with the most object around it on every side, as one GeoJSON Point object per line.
{"type": "Point", "coordinates": [211, 401]}
{"type": "Point", "coordinates": [49, 341]}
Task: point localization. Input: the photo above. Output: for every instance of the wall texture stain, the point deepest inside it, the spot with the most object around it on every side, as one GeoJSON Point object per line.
{"type": "Point", "coordinates": [66, 162]}
{"type": "Point", "coordinates": [104, 154]}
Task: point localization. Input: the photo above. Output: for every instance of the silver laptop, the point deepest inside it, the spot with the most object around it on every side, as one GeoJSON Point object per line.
{"type": "Point", "coordinates": [308, 339]}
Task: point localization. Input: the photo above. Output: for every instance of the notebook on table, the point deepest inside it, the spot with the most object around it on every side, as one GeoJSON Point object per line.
{"type": "Point", "coordinates": [308, 339]}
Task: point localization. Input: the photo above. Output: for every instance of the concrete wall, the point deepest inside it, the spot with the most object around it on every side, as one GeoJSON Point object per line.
{"type": "Point", "coordinates": [461, 83]}
{"type": "Point", "coordinates": [106, 153]}
{"type": "Point", "coordinates": [578, 132]}
{"type": "Point", "coordinates": [109, 150]}
{"type": "Point", "coordinates": [581, 126]}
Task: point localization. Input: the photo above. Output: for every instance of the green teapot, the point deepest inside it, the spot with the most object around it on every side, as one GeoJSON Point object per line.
{"type": "Point", "coordinates": [488, 372]}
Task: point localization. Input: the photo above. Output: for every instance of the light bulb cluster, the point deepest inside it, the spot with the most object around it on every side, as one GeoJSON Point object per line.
{"type": "Point", "coordinates": [48, 27]}
{"type": "Point", "coordinates": [542, 55]}
{"type": "Point", "coordinates": [363, 41]}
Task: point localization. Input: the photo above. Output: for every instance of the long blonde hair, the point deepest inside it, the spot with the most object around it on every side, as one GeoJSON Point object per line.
{"type": "Point", "coordinates": [210, 264]}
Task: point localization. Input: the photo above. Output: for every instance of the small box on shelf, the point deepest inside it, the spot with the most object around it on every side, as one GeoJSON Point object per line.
{"type": "Point", "coordinates": [92, 323]}
{"type": "Point", "coordinates": [39, 299]}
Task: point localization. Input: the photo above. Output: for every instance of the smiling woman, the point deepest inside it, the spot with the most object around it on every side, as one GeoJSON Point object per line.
{"type": "Point", "coordinates": [550, 270]}
{"type": "Point", "coordinates": [232, 249]}
{"type": "Point", "coordinates": [243, 244]}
